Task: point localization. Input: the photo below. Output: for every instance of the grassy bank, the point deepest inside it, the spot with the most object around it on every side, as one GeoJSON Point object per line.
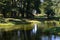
{"type": "Point", "coordinates": [27, 24]}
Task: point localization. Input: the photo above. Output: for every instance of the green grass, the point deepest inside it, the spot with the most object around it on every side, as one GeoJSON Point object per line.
{"type": "Point", "coordinates": [28, 25]}
{"type": "Point", "coordinates": [53, 30]}
{"type": "Point", "coordinates": [40, 16]}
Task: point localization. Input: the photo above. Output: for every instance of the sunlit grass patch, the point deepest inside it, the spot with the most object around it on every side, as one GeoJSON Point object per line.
{"type": "Point", "coordinates": [10, 26]}
{"type": "Point", "coordinates": [28, 26]}
{"type": "Point", "coordinates": [35, 21]}
{"type": "Point", "coordinates": [6, 24]}
{"type": "Point", "coordinates": [40, 16]}
{"type": "Point", "coordinates": [57, 23]}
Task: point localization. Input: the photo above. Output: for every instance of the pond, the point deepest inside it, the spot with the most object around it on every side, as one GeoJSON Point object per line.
{"type": "Point", "coordinates": [26, 35]}
{"type": "Point", "coordinates": [34, 33]}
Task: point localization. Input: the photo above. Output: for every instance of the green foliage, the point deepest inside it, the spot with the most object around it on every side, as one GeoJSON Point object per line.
{"type": "Point", "coordinates": [22, 6]}
{"type": "Point", "coordinates": [54, 30]}
{"type": "Point", "coordinates": [25, 7]}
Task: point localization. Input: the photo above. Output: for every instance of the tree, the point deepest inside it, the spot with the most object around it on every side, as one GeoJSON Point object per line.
{"type": "Point", "coordinates": [49, 10]}
{"type": "Point", "coordinates": [24, 7]}
{"type": "Point", "coordinates": [37, 5]}
{"type": "Point", "coordinates": [29, 9]}
{"type": "Point", "coordinates": [5, 8]}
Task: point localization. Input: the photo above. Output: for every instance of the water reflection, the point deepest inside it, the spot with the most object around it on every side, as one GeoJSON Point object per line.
{"type": "Point", "coordinates": [35, 28]}
{"type": "Point", "coordinates": [50, 37]}
{"type": "Point", "coordinates": [18, 33]}
{"type": "Point", "coordinates": [26, 35]}
{"type": "Point", "coordinates": [32, 34]}
{"type": "Point", "coordinates": [44, 37]}
{"type": "Point", "coordinates": [57, 38]}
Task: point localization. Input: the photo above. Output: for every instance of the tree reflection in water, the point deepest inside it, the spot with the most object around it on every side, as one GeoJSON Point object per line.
{"type": "Point", "coordinates": [34, 29]}
{"type": "Point", "coordinates": [33, 34]}
{"type": "Point", "coordinates": [21, 35]}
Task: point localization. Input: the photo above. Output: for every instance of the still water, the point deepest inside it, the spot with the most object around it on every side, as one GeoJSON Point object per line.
{"type": "Point", "coordinates": [34, 34]}
{"type": "Point", "coordinates": [26, 35]}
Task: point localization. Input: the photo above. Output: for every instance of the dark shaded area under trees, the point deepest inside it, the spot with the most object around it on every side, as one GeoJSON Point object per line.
{"type": "Point", "coordinates": [24, 8]}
